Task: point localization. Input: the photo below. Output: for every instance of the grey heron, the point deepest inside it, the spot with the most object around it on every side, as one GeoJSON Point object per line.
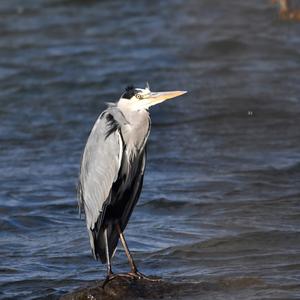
{"type": "Point", "coordinates": [112, 171]}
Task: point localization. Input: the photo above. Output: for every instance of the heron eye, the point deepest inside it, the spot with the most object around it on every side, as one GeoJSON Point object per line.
{"type": "Point", "coordinates": [139, 96]}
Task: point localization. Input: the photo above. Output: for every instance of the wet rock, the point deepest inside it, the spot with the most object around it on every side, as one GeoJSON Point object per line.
{"type": "Point", "coordinates": [129, 289]}
{"type": "Point", "coordinates": [126, 288]}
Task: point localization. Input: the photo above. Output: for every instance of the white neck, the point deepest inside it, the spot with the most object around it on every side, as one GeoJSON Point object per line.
{"type": "Point", "coordinates": [132, 105]}
{"type": "Point", "coordinates": [135, 133]}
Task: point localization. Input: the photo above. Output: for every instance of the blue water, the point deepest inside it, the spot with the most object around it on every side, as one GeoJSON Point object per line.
{"type": "Point", "coordinates": [220, 202]}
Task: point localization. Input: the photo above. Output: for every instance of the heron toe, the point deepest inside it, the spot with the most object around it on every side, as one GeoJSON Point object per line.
{"type": "Point", "coordinates": [119, 275]}
{"type": "Point", "coordinates": [139, 275]}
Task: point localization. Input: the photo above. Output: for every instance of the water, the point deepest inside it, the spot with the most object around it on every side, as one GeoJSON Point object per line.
{"type": "Point", "coordinates": [220, 203]}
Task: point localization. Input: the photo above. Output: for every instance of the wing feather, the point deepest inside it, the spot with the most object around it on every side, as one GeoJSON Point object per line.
{"type": "Point", "coordinates": [101, 161]}
{"type": "Point", "coordinates": [110, 179]}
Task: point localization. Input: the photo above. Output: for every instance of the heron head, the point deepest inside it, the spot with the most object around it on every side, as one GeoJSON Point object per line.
{"type": "Point", "coordinates": [139, 98]}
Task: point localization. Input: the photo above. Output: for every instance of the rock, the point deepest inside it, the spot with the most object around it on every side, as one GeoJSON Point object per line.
{"type": "Point", "coordinates": [134, 289]}
{"type": "Point", "coordinates": [127, 289]}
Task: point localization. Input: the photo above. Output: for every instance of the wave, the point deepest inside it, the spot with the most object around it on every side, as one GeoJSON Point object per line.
{"type": "Point", "coordinates": [292, 169]}
{"type": "Point", "coordinates": [258, 242]}
{"type": "Point", "coordinates": [21, 223]}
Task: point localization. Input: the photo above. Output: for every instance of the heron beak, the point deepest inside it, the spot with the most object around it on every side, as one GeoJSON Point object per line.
{"type": "Point", "coordinates": [159, 97]}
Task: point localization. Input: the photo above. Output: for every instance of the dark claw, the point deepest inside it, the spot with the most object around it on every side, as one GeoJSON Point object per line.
{"type": "Point", "coordinates": [112, 276]}
{"type": "Point", "coordinates": [108, 278]}
{"type": "Point", "coordinates": [139, 275]}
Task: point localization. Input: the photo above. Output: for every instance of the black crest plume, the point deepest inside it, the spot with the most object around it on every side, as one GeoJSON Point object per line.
{"type": "Point", "coordinates": [129, 92]}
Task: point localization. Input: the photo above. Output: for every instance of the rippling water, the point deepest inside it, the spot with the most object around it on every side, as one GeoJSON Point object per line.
{"type": "Point", "coordinates": [220, 202]}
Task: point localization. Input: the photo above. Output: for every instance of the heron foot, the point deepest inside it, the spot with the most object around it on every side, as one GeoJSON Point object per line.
{"type": "Point", "coordinates": [112, 276]}
{"type": "Point", "coordinates": [139, 275]}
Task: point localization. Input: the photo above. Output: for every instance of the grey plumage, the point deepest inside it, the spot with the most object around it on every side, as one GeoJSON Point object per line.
{"type": "Point", "coordinates": [111, 175]}
{"type": "Point", "coordinates": [112, 170]}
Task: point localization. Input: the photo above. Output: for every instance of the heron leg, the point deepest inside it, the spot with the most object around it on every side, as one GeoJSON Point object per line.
{"type": "Point", "coordinates": [128, 254]}
{"type": "Point", "coordinates": [108, 263]}
{"type": "Point", "coordinates": [110, 275]}
{"type": "Point", "coordinates": [134, 271]}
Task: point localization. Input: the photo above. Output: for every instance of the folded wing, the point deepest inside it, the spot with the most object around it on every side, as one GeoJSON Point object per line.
{"type": "Point", "coordinates": [99, 169]}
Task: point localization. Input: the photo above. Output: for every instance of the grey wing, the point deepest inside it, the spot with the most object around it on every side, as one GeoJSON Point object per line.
{"type": "Point", "coordinates": [99, 169]}
{"type": "Point", "coordinates": [123, 199]}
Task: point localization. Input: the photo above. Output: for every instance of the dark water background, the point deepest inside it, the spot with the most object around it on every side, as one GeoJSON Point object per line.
{"type": "Point", "coordinates": [220, 203]}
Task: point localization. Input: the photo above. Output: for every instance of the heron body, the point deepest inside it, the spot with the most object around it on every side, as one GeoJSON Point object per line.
{"type": "Point", "coordinates": [112, 169]}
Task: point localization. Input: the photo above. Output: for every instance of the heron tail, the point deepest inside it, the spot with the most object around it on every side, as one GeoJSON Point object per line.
{"type": "Point", "coordinates": [99, 250]}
